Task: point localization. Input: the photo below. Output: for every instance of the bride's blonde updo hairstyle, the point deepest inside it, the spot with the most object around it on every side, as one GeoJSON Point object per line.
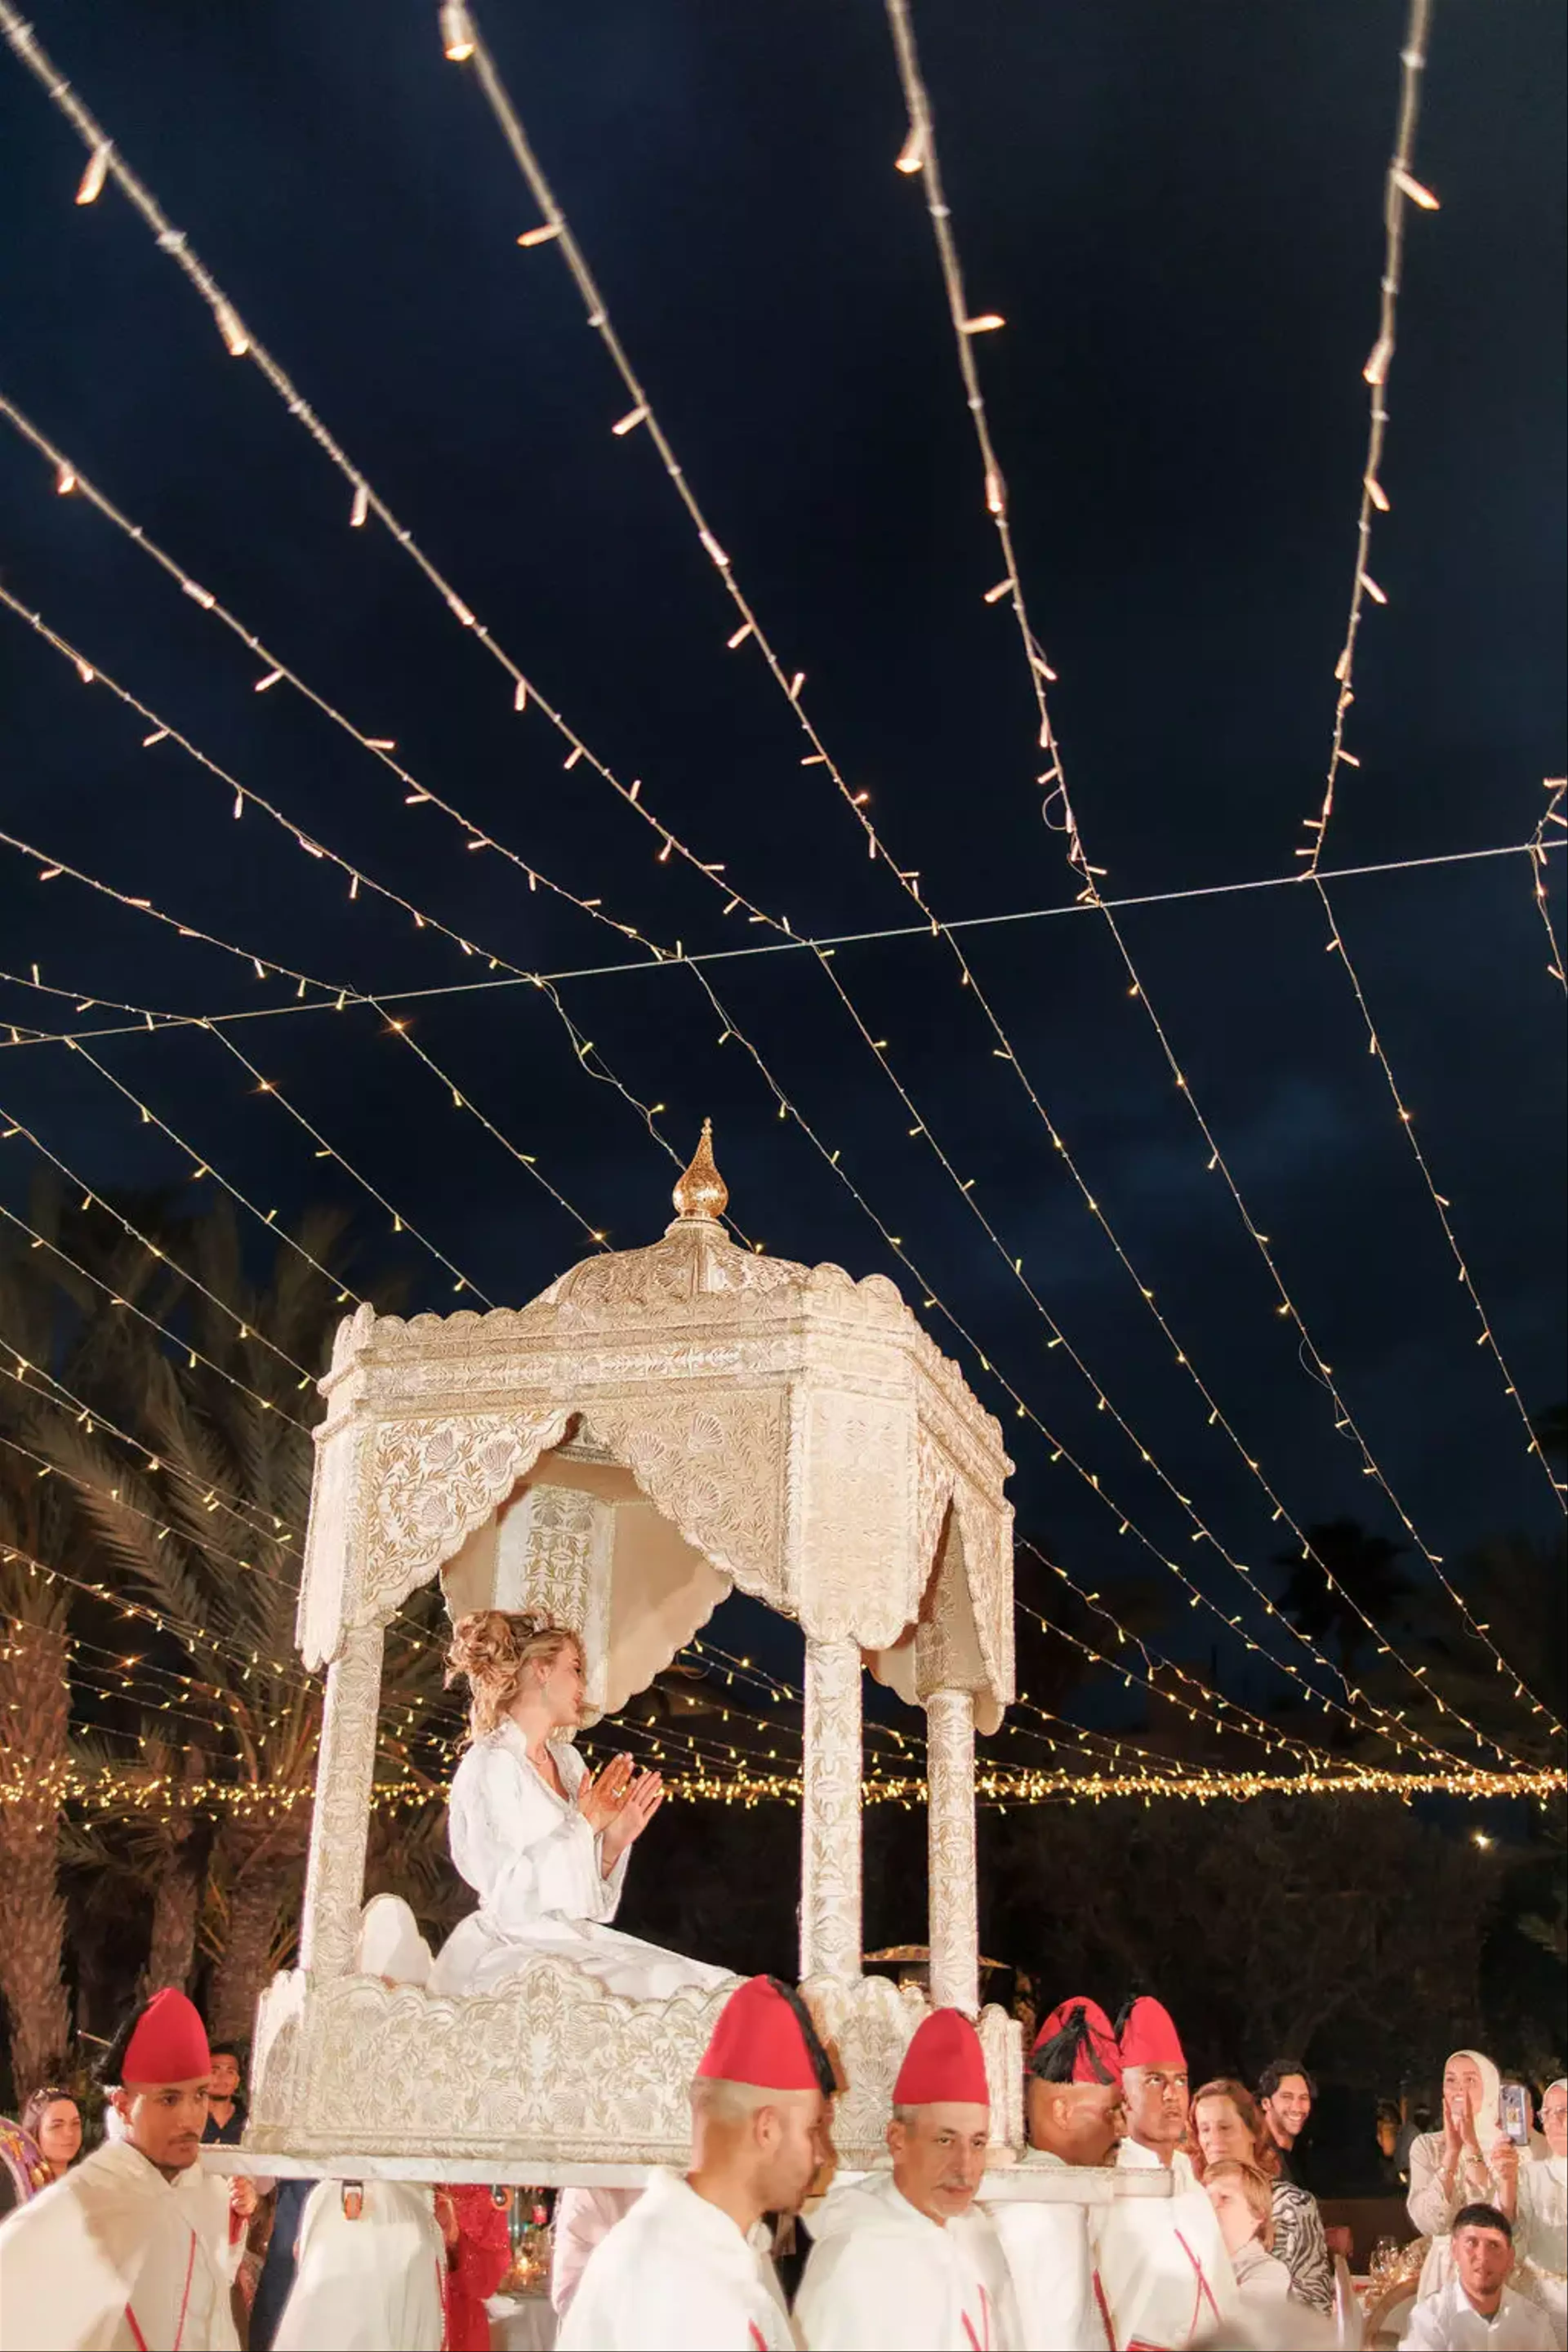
{"type": "Point", "coordinates": [492, 1650]}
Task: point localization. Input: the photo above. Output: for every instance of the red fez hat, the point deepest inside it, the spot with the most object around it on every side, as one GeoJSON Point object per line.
{"type": "Point", "coordinates": [1148, 2036]}
{"type": "Point", "coordinates": [1077, 2043]}
{"type": "Point", "coordinates": [759, 2040]}
{"type": "Point", "coordinates": [944, 2062]}
{"type": "Point", "coordinates": [168, 2042]}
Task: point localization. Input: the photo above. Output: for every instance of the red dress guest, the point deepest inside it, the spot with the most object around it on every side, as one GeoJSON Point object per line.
{"type": "Point", "coordinates": [479, 2253]}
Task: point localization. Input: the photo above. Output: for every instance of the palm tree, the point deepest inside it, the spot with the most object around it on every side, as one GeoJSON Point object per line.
{"type": "Point", "coordinates": [35, 1700]}
{"type": "Point", "coordinates": [1365, 1578]}
{"type": "Point", "coordinates": [208, 1530]}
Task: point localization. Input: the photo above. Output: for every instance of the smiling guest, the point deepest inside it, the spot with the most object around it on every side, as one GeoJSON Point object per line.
{"type": "Point", "coordinates": [117, 2252]}
{"type": "Point", "coordinates": [906, 2261]}
{"type": "Point", "coordinates": [1286, 2093]}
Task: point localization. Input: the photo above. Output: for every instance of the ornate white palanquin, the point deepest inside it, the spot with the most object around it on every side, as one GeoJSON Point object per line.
{"type": "Point", "coordinates": [659, 1426]}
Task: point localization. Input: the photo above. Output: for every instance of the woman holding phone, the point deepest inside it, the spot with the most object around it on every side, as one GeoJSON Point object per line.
{"type": "Point", "coordinates": [1468, 2161]}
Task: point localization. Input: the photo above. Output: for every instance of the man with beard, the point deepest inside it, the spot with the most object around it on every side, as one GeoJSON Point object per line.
{"type": "Point", "coordinates": [118, 2254]}
{"type": "Point", "coordinates": [1163, 2270]}
{"type": "Point", "coordinates": [1075, 2117]}
{"type": "Point", "coordinates": [682, 2272]}
{"type": "Point", "coordinates": [902, 2263]}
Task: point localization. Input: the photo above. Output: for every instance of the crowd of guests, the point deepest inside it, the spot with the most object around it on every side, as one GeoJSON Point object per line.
{"type": "Point", "coordinates": [757, 2245]}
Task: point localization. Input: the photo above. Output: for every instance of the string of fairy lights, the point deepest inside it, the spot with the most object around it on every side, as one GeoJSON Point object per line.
{"type": "Point", "coordinates": [163, 732]}
{"type": "Point", "coordinates": [240, 342]}
{"type": "Point", "coordinates": [1537, 849]}
{"type": "Point", "coordinates": [1542, 843]}
{"type": "Point", "coordinates": [1400, 1728]}
{"type": "Point", "coordinates": [463, 45]}
{"type": "Point", "coordinates": [69, 478]}
{"type": "Point", "coordinates": [99, 156]}
{"type": "Point", "coordinates": [921, 156]}
{"type": "Point", "coordinates": [1400, 188]}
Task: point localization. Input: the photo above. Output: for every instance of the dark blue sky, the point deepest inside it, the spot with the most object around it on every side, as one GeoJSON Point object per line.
{"type": "Point", "coordinates": [1178, 208]}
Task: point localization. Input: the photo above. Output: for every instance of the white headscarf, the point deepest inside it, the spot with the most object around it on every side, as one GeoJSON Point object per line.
{"type": "Point", "coordinates": [1487, 2125]}
{"type": "Point", "coordinates": [1556, 2165]}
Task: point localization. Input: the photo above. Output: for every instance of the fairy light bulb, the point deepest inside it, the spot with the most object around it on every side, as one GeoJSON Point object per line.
{"type": "Point", "coordinates": [457, 39]}
{"type": "Point", "coordinates": [92, 178]}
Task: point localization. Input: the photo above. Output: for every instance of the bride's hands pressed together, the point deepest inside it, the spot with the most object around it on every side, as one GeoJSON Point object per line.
{"type": "Point", "coordinates": [635, 1809]}
{"type": "Point", "coordinates": [603, 1796]}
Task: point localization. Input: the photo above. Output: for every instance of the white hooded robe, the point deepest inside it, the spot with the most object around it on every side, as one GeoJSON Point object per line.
{"type": "Point", "coordinates": [112, 2257]}
{"type": "Point", "coordinates": [373, 2284]}
{"type": "Point", "coordinates": [676, 2275]}
{"type": "Point", "coordinates": [1166, 2276]}
{"type": "Point", "coordinates": [1053, 2257]}
{"type": "Point", "coordinates": [883, 2277]}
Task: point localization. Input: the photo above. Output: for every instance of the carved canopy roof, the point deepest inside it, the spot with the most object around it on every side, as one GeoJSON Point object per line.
{"type": "Point", "coordinates": [799, 1429]}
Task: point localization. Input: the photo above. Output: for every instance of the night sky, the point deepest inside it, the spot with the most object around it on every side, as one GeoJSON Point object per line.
{"type": "Point", "coordinates": [1178, 208]}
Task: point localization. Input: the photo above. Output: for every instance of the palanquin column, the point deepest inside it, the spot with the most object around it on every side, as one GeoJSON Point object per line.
{"type": "Point", "coordinates": [830, 1812]}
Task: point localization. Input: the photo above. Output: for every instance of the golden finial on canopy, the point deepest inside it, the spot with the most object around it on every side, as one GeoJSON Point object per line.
{"type": "Point", "coordinates": [703, 1192]}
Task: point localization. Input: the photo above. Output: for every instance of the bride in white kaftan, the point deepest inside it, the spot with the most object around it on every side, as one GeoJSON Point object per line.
{"type": "Point", "coordinates": [544, 1842]}
{"type": "Point", "coordinates": [544, 1878]}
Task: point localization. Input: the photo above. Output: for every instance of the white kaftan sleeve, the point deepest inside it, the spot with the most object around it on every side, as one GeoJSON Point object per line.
{"type": "Point", "coordinates": [1430, 2205]}
{"type": "Point", "coordinates": [522, 1856]}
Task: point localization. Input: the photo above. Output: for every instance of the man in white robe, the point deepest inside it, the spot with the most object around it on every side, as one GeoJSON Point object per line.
{"type": "Point", "coordinates": [1163, 2270]}
{"type": "Point", "coordinates": [371, 2271]}
{"type": "Point", "coordinates": [682, 2272]}
{"type": "Point", "coordinates": [1474, 2311]}
{"type": "Point", "coordinates": [906, 2261]}
{"type": "Point", "coordinates": [1074, 2117]}
{"type": "Point", "coordinates": [128, 2252]}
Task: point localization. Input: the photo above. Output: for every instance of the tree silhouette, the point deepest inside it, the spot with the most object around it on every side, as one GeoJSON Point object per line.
{"type": "Point", "coordinates": [1350, 1571]}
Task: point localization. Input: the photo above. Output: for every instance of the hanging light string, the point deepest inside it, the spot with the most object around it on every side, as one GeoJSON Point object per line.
{"type": "Point", "coordinates": [104, 163]}
{"type": "Point", "coordinates": [1486, 1337]}
{"type": "Point", "coordinates": [1392, 1725]}
{"type": "Point", "coordinates": [921, 156]}
{"type": "Point", "coordinates": [1224, 1714]}
{"type": "Point", "coordinates": [246, 795]}
{"type": "Point", "coordinates": [587, 1056]}
{"type": "Point", "coordinates": [55, 865]}
{"type": "Point", "coordinates": [72, 480]}
{"type": "Point", "coordinates": [307, 980]}
{"type": "Point", "coordinates": [240, 344]}
{"type": "Point", "coordinates": [149, 1118]}
{"type": "Point", "coordinates": [1538, 847]}
{"type": "Point", "coordinates": [104, 160]}
{"type": "Point", "coordinates": [165, 1796]}
{"type": "Point", "coordinates": [780, 1687]}
{"type": "Point", "coordinates": [1103, 1403]}
{"type": "Point", "coordinates": [922, 1127]}
{"type": "Point", "coordinates": [1400, 188]}
{"type": "Point", "coordinates": [469, 49]}
{"type": "Point", "coordinates": [324, 1150]}
{"type": "Point", "coordinates": [89, 1418]}
{"type": "Point", "coordinates": [90, 1199]}
{"type": "Point", "coordinates": [268, 1405]}
{"type": "Point", "coordinates": [1542, 843]}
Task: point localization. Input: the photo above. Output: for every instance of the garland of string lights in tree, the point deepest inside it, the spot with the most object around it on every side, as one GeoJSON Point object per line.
{"type": "Point", "coordinates": [237, 342]}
